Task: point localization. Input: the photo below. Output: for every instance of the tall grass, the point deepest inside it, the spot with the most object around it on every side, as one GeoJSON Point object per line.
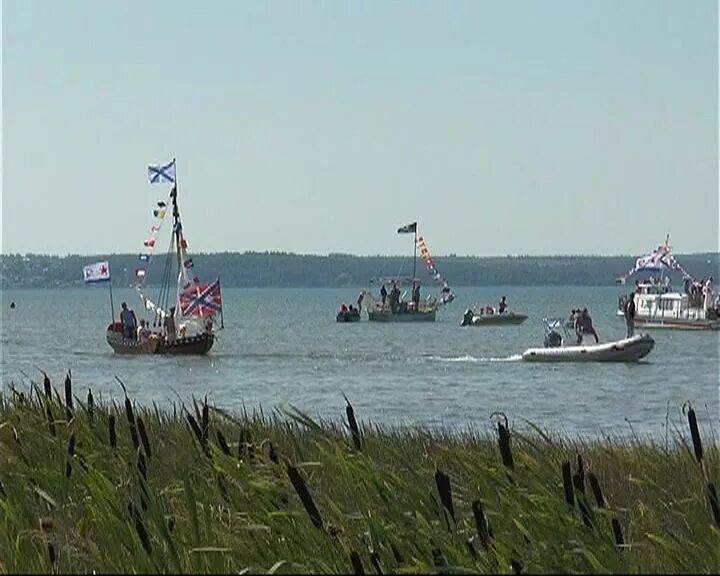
{"type": "Point", "coordinates": [138, 490]}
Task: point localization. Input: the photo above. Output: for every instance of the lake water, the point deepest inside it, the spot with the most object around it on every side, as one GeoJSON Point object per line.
{"type": "Point", "coordinates": [283, 348]}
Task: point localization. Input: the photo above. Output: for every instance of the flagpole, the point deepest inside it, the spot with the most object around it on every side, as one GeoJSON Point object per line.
{"type": "Point", "coordinates": [414, 253]}
{"type": "Point", "coordinates": [112, 307]}
{"type": "Point", "coordinates": [222, 321]}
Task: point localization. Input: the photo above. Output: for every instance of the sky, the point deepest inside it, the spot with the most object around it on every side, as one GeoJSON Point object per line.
{"type": "Point", "coordinates": [522, 127]}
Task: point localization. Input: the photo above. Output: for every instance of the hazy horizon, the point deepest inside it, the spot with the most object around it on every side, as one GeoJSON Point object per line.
{"type": "Point", "coordinates": [548, 129]}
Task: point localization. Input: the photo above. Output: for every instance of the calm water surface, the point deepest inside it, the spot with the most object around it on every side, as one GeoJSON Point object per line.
{"type": "Point", "coordinates": [283, 348]}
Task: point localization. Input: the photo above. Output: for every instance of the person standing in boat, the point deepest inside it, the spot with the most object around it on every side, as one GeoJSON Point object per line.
{"type": "Point", "coordinates": [129, 322]}
{"type": "Point", "coordinates": [584, 325]}
{"type": "Point", "coordinates": [143, 332]}
{"type": "Point", "coordinates": [502, 306]}
{"type": "Point", "coordinates": [708, 294]}
{"type": "Point", "coordinates": [383, 294]}
{"type": "Point", "coordinates": [169, 322]}
{"type": "Point", "coordinates": [416, 297]}
{"type": "Point", "coordinates": [630, 315]}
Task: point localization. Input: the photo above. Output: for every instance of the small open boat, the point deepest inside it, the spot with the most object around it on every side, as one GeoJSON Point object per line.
{"type": "Point", "coordinates": [348, 315]}
{"type": "Point", "coordinates": [555, 350]}
{"type": "Point", "coordinates": [472, 319]}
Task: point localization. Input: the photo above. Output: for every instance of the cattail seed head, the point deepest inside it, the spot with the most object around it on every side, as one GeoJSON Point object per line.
{"type": "Point", "coordinates": [143, 436]}
{"type": "Point", "coordinates": [714, 504]}
{"type": "Point", "coordinates": [68, 396]}
{"type": "Point", "coordinates": [90, 405]}
{"type": "Point", "coordinates": [442, 481]}
{"type": "Point", "coordinates": [47, 386]}
{"type": "Point", "coordinates": [567, 485]}
{"type": "Point", "coordinates": [222, 443]}
{"type": "Point", "coordinates": [111, 427]}
{"type": "Point", "coordinates": [695, 434]}
{"type": "Point", "coordinates": [356, 563]}
{"type": "Point", "coordinates": [481, 524]}
{"type": "Point", "coordinates": [304, 494]}
{"type": "Point", "coordinates": [597, 492]}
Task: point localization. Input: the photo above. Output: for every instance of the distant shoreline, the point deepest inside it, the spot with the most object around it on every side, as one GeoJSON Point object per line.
{"type": "Point", "coordinates": [283, 270]}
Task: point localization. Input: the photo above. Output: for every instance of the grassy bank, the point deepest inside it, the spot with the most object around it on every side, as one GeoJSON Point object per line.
{"type": "Point", "coordinates": [116, 488]}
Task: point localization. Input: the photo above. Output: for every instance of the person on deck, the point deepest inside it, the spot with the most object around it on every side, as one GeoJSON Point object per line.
{"type": "Point", "coordinates": [143, 332]}
{"type": "Point", "coordinates": [416, 297]}
{"type": "Point", "coordinates": [383, 295]}
{"type": "Point", "coordinates": [129, 322]}
{"type": "Point", "coordinates": [630, 315]}
{"type": "Point", "coordinates": [169, 322]}
{"type": "Point", "coordinates": [584, 325]}
{"type": "Point", "coordinates": [502, 306]}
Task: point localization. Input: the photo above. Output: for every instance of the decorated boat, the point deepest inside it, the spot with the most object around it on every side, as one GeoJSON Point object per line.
{"type": "Point", "coordinates": [561, 346]}
{"type": "Point", "coordinates": [184, 316]}
{"type": "Point", "coordinates": [658, 305]}
{"type": "Point", "coordinates": [392, 304]}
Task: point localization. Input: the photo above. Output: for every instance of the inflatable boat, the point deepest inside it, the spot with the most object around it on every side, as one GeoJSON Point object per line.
{"type": "Point", "coordinates": [556, 350]}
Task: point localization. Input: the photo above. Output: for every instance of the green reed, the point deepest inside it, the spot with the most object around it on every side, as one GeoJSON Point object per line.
{"type": "Point", "coordinates": [134, 489]}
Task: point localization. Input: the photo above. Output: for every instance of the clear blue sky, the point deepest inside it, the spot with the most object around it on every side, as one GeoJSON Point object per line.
{"type": "Point", "coordinates": [525, 127]}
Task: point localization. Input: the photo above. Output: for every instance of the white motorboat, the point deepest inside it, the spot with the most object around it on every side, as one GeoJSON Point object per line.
{"type": "Point", "coordinates": [560, 346]}
{"type": "Point", "coordinates": [657, 305]}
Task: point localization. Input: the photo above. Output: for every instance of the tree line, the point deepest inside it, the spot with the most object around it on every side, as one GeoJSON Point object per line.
{"type": "Point", "coordinates": [279, 269]}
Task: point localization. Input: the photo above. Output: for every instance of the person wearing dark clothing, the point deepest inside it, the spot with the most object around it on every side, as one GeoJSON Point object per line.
{"type": "Point", "coordinates": [502, 306]}
{"type": "Point", "coordinates": [129, 322]}
{"type": "Point", "coordinates": [383, 295]}
{"type": "Point", "coordinates": [584, 325]}
{"type": "Point", "coordinates": [630, 315]}
{"type": "Point", "coordinates": [394, 298]}
{"type": "Point", "coordinates": [416, 297]}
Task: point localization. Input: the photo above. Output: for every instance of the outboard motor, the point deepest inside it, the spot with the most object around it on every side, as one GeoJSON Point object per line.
{"type": "Point", "coordinates": [467, 318]}
{"type": "Point", "coordinates": [553, 339]}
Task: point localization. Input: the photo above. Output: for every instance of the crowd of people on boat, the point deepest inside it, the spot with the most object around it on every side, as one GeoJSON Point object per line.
{"type": "Point", "coordinates": [396, 303]}
{"type": "Point", "coordinates": [141, 331]}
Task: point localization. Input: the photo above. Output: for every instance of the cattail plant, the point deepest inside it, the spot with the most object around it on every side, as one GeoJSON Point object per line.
{"type": "Point", "coordinates": [617, 532]}
{"type": "Point", "coordinates": [567, 485]}
{"type": "Point", "coordinates": [111, 429]}
{"type": "Point", "coordinates": [68, 396]}
{"type": "Point", "coordinates": [140, 528]}
{"type": "Point", "coordinates": [504, 441]}
{"type": "Point", "coordinates": [196, 430]}
{"type": "Point", "coordinates": [47, 386]}
{"type": "Point", "coordinates": [481, 524]}
{"type": "Point", "coordinates": [352, 423]}
{"type": "Point", "coordinates": [130, 417]}
{"type": "Point", "coordinates": [304, 494]}
{"type": "Point", "coordinates": [205, 422]}
{"type": "Point", "coordinates": [597, 492]}
{"type": "Point", "coordinates": [714, 505]}
{"type": "Point", "coordinates": [579, 477]}
{"type": "Point", "coordinates": [356, 563]}
{"type": "Point", "coordinates": [143, 436]}
{"type": "Point", "coordinates": [90, 405]}
{"type": "Point", "coordinates": [442, 481]}
{"type": "Point", "coordinates": [222, 443]}
{"type": "Point", "coordinates": [694, 432]}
